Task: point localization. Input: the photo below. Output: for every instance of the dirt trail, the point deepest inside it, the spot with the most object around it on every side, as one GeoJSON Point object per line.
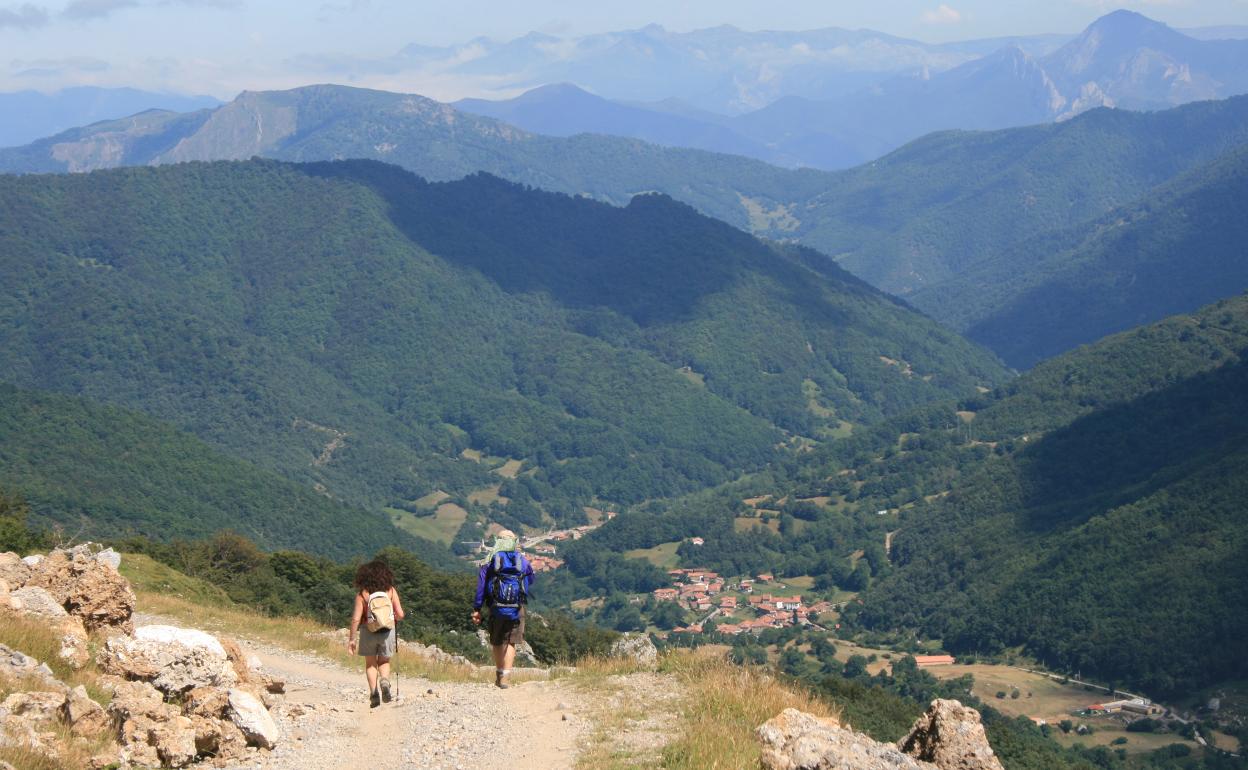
{"type": "Point", "coordinates": [328, 724]}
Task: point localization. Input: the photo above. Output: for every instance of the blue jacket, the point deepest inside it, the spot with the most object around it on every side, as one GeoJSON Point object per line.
{"type": "Point", "coordinates": [486, 573]}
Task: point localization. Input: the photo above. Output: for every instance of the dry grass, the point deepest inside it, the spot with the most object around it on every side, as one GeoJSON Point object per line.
{"type": "Point", "coordinates": [42, 643]}
{"type": "Point", "coordinates": [63, 751]}
{"type": "Point", "coordinates": [723, 705]}
{"type": "Point", "coordinates": [700, 712]}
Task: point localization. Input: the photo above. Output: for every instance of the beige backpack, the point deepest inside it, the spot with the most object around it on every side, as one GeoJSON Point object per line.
{"type": "Point", "coordinates": [379, 612]}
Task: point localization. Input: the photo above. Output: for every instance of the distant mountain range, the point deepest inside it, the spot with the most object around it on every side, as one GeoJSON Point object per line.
{"type": "Point", "coordinates": [914, 220]}
{"type": "Point", "coordinates": [1123, 59]}
{"type": "Point", "coordinates": [722, 69]}
{"type": "Point", "coordinates": [29, 115]}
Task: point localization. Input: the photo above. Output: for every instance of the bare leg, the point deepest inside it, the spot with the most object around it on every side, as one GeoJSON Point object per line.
{"type": "Point", "coordinates": [500, 656]}
{"type": "Point", "coordinates": [370, 671]}
{"type": "Point", "coordinates": [509, 656]}
{"type": "Point", "coordinates": [383, 667]}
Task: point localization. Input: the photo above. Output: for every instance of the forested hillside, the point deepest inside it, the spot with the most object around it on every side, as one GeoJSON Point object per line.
{"type": "Point", "coordinates": [100, 471]}
{"type": "Point", "coordinates": [1179, 248]}
{"type": "Point", "coordinates": [1090, 512]}
{"type": "Point", "coordinates": [1115, 544]}
{"type": "Point", "coordinates": [356, 329]}
{"type": "Point", "coordinates": [938, 212]}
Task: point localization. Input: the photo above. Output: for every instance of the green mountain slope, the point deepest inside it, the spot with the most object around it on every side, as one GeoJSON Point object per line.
{"type": "Point", "coordinates": [1179, 248]}
{"type": "Point", "coordinates": [1112, 543]}
{"type": "Point", "coordinates": [354, 327]}
{"type": "Point", "coordinates": [917, 218]}
{"type": "Point", "coordinates": [102, 471]}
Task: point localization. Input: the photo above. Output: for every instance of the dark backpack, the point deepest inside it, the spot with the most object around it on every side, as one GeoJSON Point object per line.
{"type": "Point", "coordinates": [507, 592]}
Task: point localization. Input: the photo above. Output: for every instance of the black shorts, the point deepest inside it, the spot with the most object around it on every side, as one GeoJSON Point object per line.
{"type": "Point", "coordinates": [506, 630]}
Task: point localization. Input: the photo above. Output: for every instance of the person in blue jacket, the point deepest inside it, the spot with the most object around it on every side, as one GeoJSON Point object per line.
{"type": "Point", "coordinates": [504, 583]}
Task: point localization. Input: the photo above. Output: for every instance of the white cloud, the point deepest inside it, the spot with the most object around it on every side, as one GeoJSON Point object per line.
{"type": "Point", "coordinates": [23, 17]}
{"type": "Point", "coordinates": [941, 14]}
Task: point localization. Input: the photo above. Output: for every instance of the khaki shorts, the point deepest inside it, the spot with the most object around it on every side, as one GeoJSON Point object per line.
{"type": "Point", "coordinates": [507, 631]}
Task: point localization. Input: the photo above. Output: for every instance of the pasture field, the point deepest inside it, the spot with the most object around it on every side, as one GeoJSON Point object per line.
{"type": "Point", "coordinates": [486, 495]}
{"type": "Point", "coordinates": [662, 555]}
{"type": "Point", "coordinates": [440, 527]}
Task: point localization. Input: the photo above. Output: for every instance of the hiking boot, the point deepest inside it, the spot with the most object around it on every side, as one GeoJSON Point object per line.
{"type": "Point", "coordinates": [500, 681]}
{"type": "Point", "coordinates": [385, 690]}
{"type": "Point", "coordinates": [374, 700]}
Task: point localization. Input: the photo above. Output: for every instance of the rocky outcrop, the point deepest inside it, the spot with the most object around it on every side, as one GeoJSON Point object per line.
{"type": "Point", "coordinates": [40, 604]}
{"type": "Point", "coordinates": [948, 737]}
{"type": "Point", "coordinates": [251, 717]}
{"type": "Point", "coordinates": [84, 716]}
{"type": "Point", "coordinates": [88, 586]}
{"type": "Point", "coordinates": [37, 602]}
{"type": "Point", "coordinates": [795, 740]}
{"type": "Point", "coordinates": [173, 659]}
{"type": "Point", "coordinates": [951, 737]}
{"type": "Point", "coordinates": [35, 707]}
{"type": "Point", "coordinates": [638, 648]}
{"type": "Point", "coordinates": [13, 570]}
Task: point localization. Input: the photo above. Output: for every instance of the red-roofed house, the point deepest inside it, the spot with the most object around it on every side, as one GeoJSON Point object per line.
{"type": "Point", "coordinates": [933, 660]}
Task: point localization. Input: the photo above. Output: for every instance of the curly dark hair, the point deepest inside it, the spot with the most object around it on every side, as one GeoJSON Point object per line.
{"type": "Point", "coordinates": [374, 576]}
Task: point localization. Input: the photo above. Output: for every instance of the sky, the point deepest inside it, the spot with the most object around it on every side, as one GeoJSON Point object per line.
{"type": "Point", "coordinates": [219, 47]}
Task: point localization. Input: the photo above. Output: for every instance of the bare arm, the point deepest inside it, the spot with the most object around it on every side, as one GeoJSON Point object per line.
{"type": "Point", "coordinates": [357, 614]}
{"type": "Point", "coordinates": [398, 605]}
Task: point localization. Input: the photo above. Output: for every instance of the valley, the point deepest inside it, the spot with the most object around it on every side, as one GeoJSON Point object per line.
{"type": "Point", "coordinates": [903, 383]}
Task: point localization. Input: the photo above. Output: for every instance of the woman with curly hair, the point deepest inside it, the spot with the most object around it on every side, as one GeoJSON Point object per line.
{"type": "Point", "coordinates": [377, 647]}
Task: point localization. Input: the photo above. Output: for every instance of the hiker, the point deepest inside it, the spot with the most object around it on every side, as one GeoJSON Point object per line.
{"type": "Point", "coordinates": [377, 612]}
{"type": "Point", "coordinates": [503, 583]}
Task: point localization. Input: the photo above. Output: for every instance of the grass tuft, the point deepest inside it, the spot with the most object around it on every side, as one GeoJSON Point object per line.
{"type": "Point", "coordinates": [724, 704]}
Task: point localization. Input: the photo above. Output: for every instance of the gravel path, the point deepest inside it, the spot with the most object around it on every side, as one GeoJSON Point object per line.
{"type": "Point", "coordinates": [437, 725]}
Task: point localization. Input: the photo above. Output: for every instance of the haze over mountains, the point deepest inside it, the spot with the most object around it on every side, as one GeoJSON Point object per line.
{"type": "Point", "coordinates": [29, 115]}
{"type": "Point", "coordinates": [1123, 59]}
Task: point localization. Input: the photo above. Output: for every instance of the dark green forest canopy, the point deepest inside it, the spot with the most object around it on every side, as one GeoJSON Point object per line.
{"type": "Point", "coordinates": [270, 309]}
{"type": "Point", "coordinates": [1114, 545]}
{"type": "Point", "coordinates": [100, 471]}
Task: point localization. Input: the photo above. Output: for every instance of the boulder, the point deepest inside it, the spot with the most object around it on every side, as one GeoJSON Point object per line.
{"type": "Point", "coordinates": [35, 707]}
{"type": "Point", "coordinates": [88, 588]}
{"type": "Point", "coordinates": [13, 570]}
{"type": "Point", "coordinates": [208, 702]}
{"type": "Point", "coordinates": [33, 560]}
{"type": "Point", "coordinates": [95, 552]}
{"type": "Point", "coordinates": [948, 737]}
{"type": "Point", "coordinates": [174, 741]}
{"type": "Point", "coordinates": [137, 699]}
{"type": "Point", "coordinates": [795, 740]}
{"type": "Point", "coordinates": [39, 602]}
{"type": "Point", "coordinates": [251, 717]}
{"type": "Point", "coordinates": [149, 742]}
{"type": "Point", "coordinates": [173, 659]}
{"type": "Point", "coordinates": [74, 650]}
{"type": "Point", "coordinates": [84, 716]}
{"type": "Point", "coordinates": [16, 665]}
{"type": "Point", "coordinates": [951, 737]}
{"type": "Point", "coordinates": [638, 648]}
{"type": "Point", "coordinates": [218, 738]}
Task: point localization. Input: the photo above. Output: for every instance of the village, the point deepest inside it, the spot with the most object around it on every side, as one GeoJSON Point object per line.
{"type": "Point", "coordinates": [744, 611]}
